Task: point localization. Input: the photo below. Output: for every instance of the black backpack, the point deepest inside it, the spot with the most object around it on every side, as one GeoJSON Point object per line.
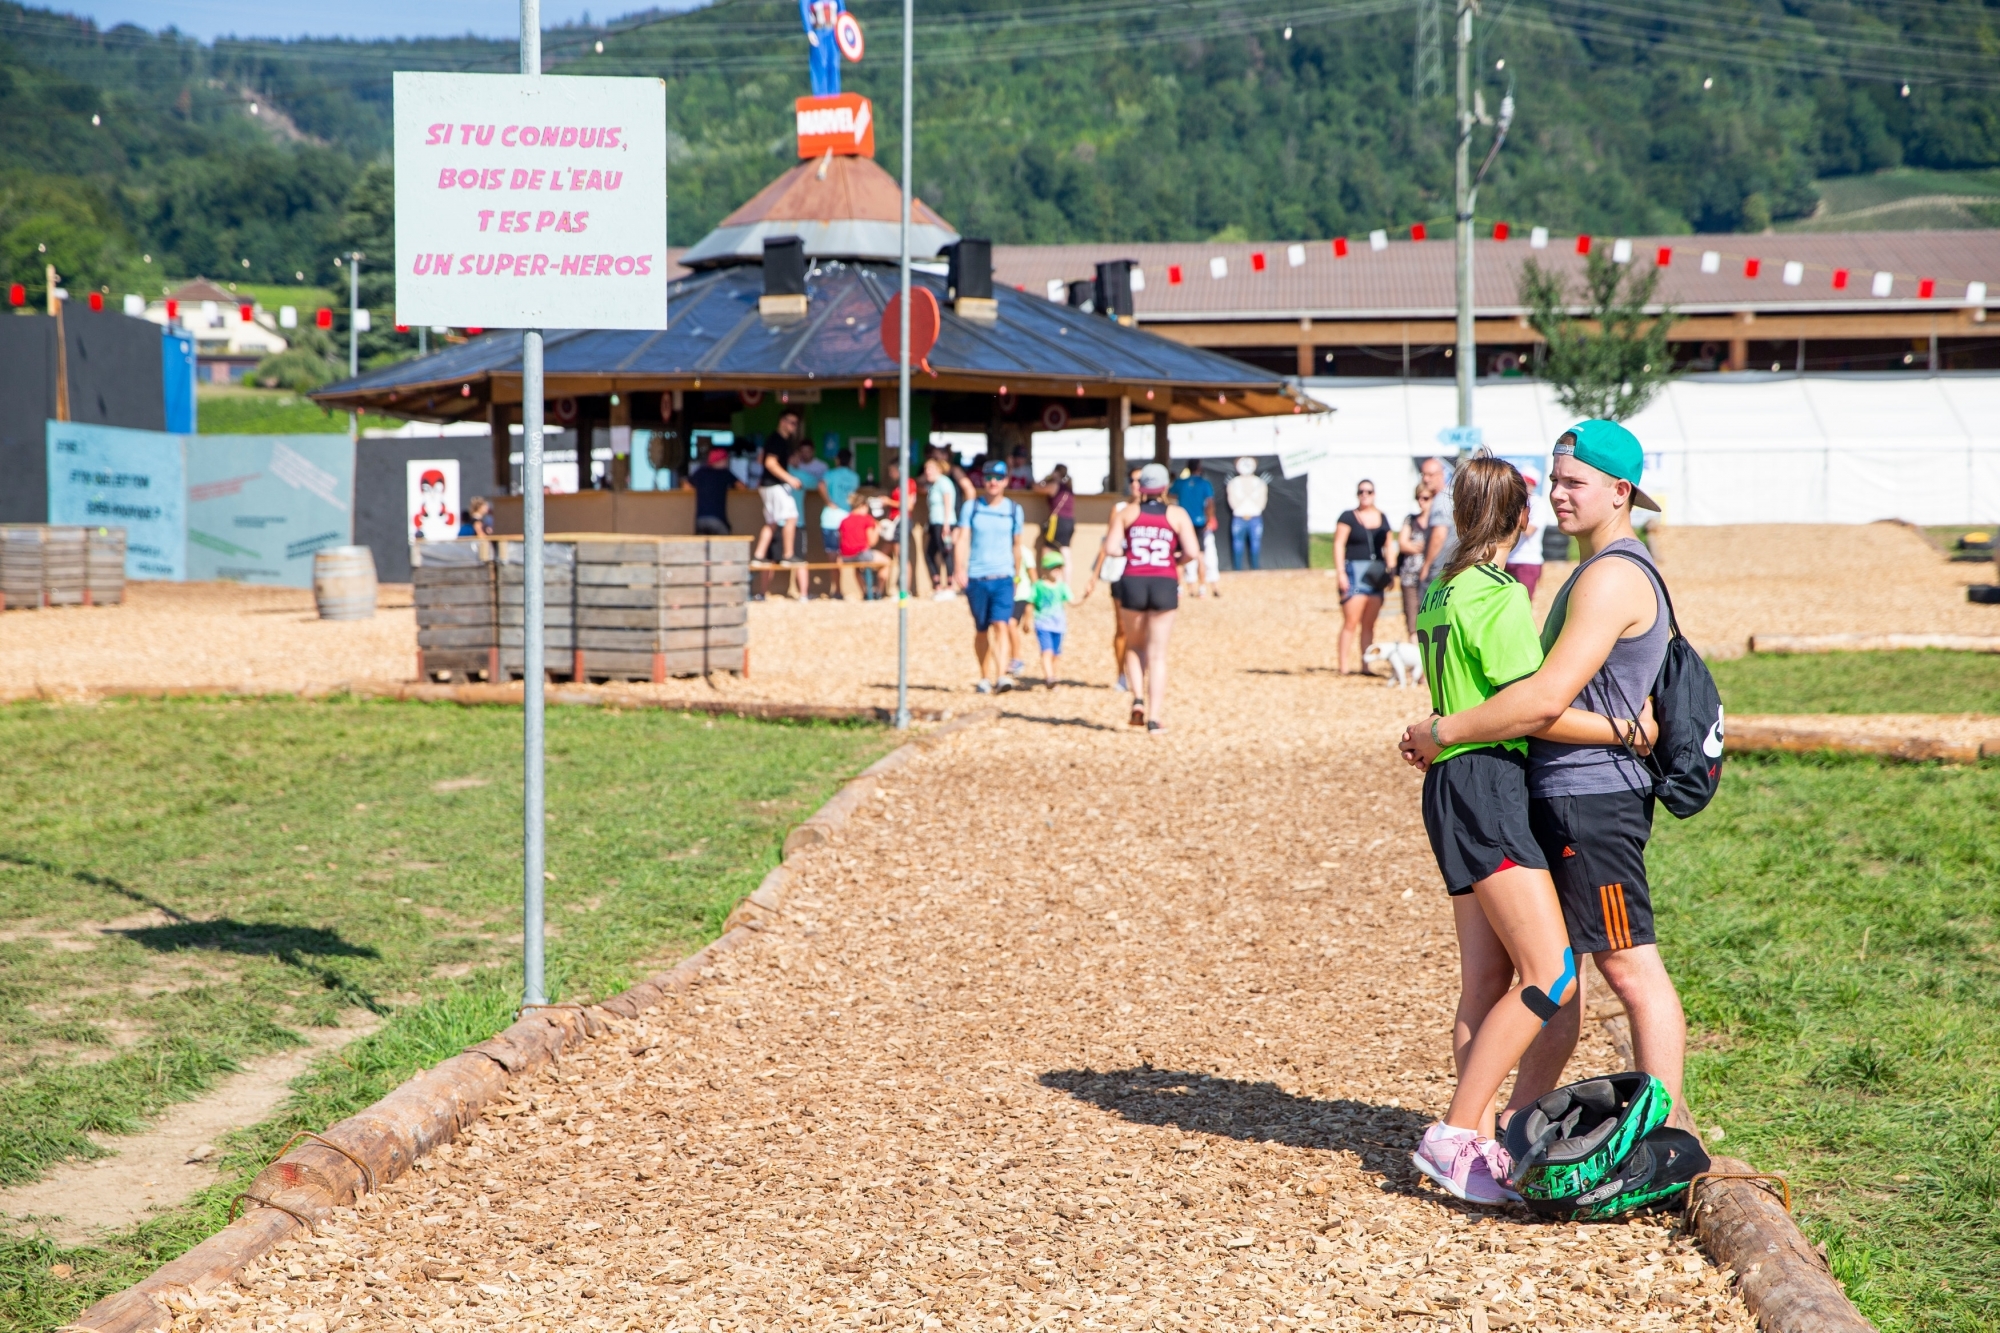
{"type": "Point", "coordinates": [1686, 762]}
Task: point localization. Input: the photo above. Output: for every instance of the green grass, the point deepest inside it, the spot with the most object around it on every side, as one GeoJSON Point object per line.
{"type": "Point", "coordinates": [1834, 925]}
{"type": "Point", "coordinates": [1927, 681]}
{"type": "Point", "coordinates": [271, 864]}
{"type": "Point", "coordinates": [306, 299]}
{"type": "Point", "coordinates": [1904, 199]}
{"type": "Point", "coordinates": [241, 410]}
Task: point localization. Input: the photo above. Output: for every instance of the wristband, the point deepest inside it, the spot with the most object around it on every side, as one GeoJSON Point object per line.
{"type": "Point", "coordinates": [1435, 738]}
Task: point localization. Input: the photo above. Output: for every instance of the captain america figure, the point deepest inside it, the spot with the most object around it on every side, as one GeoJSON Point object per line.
{"type": "Point", "coordinates": [819, 18]}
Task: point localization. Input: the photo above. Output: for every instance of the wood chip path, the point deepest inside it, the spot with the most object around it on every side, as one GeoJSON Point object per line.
{"type": "Point", "coordinates": [1069, 1028]}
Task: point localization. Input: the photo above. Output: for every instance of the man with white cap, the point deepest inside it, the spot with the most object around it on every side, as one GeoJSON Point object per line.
{"type": "Point", "coordinates": [1249, 495]}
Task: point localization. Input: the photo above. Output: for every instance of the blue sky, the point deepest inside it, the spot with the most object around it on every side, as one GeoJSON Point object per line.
{"type": "Point", "coordinates": [209, 19]}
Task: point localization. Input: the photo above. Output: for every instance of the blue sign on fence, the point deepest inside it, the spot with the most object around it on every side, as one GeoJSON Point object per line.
{"type": "Point", "coordinates": [260, 505]}
{"type": "Point", "coordinates": [110, 477]}
{"type": "Point", "coordinates": [241, 508]}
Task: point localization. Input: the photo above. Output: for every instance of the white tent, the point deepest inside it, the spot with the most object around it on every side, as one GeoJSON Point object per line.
{"type": "Point", "coordinates": [1742, 448]}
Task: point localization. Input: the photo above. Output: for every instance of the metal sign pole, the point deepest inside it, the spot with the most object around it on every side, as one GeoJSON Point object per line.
{"type": "Point", "coordinates": [353, 333]}
{"type": "Point", "coordinates": [906, 504]}
{"type": "Point", "coordinates": [1467, 351]}
{"type": "Point", "coordinates": [533, 990]}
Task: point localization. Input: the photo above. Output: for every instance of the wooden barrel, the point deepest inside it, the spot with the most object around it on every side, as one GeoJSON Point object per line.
{"type": "Point", "coordinates": [344, 583]}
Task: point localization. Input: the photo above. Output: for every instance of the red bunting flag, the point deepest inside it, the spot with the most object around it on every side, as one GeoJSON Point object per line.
{"type": "Point", "coordinates": [1583, 245]}
{"type": "Point", "coordinates": [97, 300]}
{"type": "Point", "coordinates": [1840, 279]}
{"type": "Point", "coordinates": [474, 332]}
{"type": "Point", "coordinates": [245, 312]}
{"type": "Point", "coordinates": [1173, 275]}
{"type": "Point", "coordinates": [1926, 288]}
{"type": "Point", "coordinates": [17, 294]}
{"type": "Point", "coordinates": [1416, 231]}
{"type": "Point", "coordinates": [173, 309]}
{"type": "Point", "coordinates": [1665, 257]}
{"type": "Point", "coordinates": [1257, 261]}
{"type": "Point", "coordinates": [402, 328]}
{"type": "Point", "coordinates": [1751, 266]}
{"type": "Point", "coordinates": [1340, 247]}
{"type": "Point", "coordinates": [1499, 231]}
{"type": "Point", "coordinates": [323, 318]}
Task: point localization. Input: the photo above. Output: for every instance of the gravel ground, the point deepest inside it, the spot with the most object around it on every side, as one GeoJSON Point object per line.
{"type": "Point", "coordinates": [204, 636]}
{"type": "Point", "coordinates": [1728, 583]}
{"type": "Point", "coordinates": [1878, 578]}
{"type": "Point", "coordinates": [1070, 1028]}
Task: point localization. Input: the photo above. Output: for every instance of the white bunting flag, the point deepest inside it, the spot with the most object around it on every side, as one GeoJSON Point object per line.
{"type": "Point", "coordinates": [1621, 251]}
{"type": "Point", "coordinates": [1218, 267]}
{"type": "Point", "coordinates": [1538, 239]}
{"type": "Point", "coordinates": [1884, 284]}
{"type": "Point", "coordinates": [1795, 273]}
{"type": "Point", "coordinates": [1378, 239]}
{"type": "Point", "coordinates": [1711, 262]}
{"type": "Point", "coordinates": [1295, 255]}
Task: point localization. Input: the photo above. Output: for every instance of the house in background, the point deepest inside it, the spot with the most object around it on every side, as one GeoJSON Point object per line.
{"type": "Point", "coordinates": [232, 333]}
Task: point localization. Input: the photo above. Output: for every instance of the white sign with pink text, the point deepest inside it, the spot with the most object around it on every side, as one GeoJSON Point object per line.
{"type": "Point", "coordinates": [531, 203]}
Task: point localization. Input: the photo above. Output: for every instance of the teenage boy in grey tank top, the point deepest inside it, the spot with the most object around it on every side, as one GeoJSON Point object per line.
{"type": "Point", "coordinates": [1591, 805]}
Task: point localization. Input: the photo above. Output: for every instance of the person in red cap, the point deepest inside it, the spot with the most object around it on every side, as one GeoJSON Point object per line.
{"type": "Point", "coordinates": [712, 483]}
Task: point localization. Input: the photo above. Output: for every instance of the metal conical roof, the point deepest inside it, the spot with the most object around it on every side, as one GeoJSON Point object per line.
{"type": "Point", "coordinates": [842, 207]}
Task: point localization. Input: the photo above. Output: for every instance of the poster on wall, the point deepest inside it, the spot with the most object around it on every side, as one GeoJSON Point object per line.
{"type": "Point", "coordinates": [530, 203]}
{"type": "Point", "coordinates": [259, 506]}
{"type": "Point", "coordinates": [110, 477]}
{"type": "Point", "coordinates": [433, 499]}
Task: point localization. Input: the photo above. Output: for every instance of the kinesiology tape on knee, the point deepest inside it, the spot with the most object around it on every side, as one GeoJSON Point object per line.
{"type": "Point", "coordinates": [1546, 1005]}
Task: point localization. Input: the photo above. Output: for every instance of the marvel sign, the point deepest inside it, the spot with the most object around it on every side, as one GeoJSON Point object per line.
{"type": "Point", "coordinates": [531, 203]}
{"type": "Point", "coordinates": [842, 124]}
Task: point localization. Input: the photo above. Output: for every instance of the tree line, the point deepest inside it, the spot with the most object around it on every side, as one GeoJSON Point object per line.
{"type": "Point", "coordinates": [1035, 121]}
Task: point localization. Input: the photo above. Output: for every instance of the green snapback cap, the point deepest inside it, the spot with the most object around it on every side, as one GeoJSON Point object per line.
{"type": "Point", "coordinates": [1611, 449]}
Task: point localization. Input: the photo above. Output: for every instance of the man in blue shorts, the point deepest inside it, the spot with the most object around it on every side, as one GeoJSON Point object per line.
{"type": "Point", "coordinates": [987, 547]}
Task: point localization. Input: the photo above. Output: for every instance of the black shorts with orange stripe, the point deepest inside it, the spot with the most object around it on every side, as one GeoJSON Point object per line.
{"type": "Point", "coordinates": [1596, 849]}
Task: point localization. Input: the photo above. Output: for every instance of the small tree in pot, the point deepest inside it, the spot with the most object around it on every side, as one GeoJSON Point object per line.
{"type": "Point", "coordinates": [1612, 359]}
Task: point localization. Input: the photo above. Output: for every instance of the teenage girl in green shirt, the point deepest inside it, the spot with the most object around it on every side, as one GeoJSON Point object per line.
{"type": "Point", "coordinates": [1477, 634]}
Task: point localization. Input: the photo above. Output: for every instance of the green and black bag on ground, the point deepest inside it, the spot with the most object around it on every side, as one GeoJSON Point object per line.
{"type": "Point", "coordinates": [1599, 1148]}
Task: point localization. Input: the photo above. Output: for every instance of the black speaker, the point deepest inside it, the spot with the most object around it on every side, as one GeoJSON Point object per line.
{"type": "Point", "coordinates": [784, 266]}
{"type": "Point", "coordinates": [1114, 288]}
{"type": "Point", "coordinates": [971, 269]}
{"type": "Point", "coordinates": [1083, 295]}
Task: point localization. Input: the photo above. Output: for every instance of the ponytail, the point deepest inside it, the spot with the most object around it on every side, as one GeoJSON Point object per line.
{"type": "Point", "coordinates": [1486, 503]}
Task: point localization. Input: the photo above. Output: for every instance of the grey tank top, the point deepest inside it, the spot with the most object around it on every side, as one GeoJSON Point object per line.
{"type": "Point", "coordinates": [1618, 689]}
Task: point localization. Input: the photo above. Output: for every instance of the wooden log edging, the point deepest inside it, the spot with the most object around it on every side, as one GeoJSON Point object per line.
{"type": "Point", "coordinates": [1780, 1275]}
{"type": "Point", "coordinates": [480, 695]}
{"type": "Point", "coordinates": [431, 1109]}
{"type": "Point", "coordinates": [1780, 734]}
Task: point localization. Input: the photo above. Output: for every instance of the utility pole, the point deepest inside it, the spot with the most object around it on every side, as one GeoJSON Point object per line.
{"type": "Point", "coordinates": [906, 504]}
{"type": "Point", "coordinates": [1467, 354]}
{"type": "Point", "coordinates": [1471, 110]}
{"type": "Point", "coordinates": [533, 638]}
{"type": "Point", "coordinates": [353, 332]}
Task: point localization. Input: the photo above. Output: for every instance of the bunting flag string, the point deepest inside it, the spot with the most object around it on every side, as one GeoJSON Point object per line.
{"type": "Point", "coordinates": [1883, 283]}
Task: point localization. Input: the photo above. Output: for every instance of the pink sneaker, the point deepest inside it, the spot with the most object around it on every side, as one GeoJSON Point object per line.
{"type": "Point", "coordinates": [1498, 1164]}
{"type": "Point", "coordinates": [1456, 1160]}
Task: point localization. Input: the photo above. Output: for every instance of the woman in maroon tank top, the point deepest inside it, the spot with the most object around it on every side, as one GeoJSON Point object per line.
{"type": "Point", "coordinates": [1155, 537]}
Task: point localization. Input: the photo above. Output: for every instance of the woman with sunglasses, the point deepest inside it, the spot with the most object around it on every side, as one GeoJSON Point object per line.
{"type": "Point", "coordinates": [1358, 542]}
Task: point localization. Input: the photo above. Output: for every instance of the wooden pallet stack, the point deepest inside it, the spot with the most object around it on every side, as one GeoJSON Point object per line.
{"type": "Point", "coordinates": [63, 566]}
{"type": "Point", "coordinates": [20, 566]}
{"type": "Point", "coordinates": [104, 566]}
{"type": "Point", "coordinates": [44, 564]}
{"type": "Point", "coordinates": [458, 626]}
{"type": "Point", "coordinates": [628, 607]}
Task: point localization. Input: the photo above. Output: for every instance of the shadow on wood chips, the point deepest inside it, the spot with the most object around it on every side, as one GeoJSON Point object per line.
{"type": "Point", "coordinates": [1199, 1103]}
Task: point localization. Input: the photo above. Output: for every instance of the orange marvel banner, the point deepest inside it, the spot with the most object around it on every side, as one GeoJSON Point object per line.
{"type": "Point", "coordinates": [842, 124]}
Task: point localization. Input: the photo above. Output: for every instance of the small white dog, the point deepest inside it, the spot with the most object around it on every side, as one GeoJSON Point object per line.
{"type": "Point", "coordinates": [1406, 664]}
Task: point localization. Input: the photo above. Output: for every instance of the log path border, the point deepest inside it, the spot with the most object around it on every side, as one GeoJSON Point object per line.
{"type": "Point", "coordinates": [1782, 1278]}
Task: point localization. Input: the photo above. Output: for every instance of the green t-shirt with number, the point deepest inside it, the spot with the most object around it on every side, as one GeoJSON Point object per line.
{"type": "Point", "coordinates": [1477, 635]}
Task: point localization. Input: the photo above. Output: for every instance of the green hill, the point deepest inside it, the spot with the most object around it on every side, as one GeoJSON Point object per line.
{"type": "Point", "coordinates": [1905, 199]}
{"type": "Point", "coordinates": [1037, 120]}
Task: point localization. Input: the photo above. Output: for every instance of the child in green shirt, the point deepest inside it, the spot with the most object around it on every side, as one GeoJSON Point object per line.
{"type": "Point", "coordinates": [1052, 596]}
